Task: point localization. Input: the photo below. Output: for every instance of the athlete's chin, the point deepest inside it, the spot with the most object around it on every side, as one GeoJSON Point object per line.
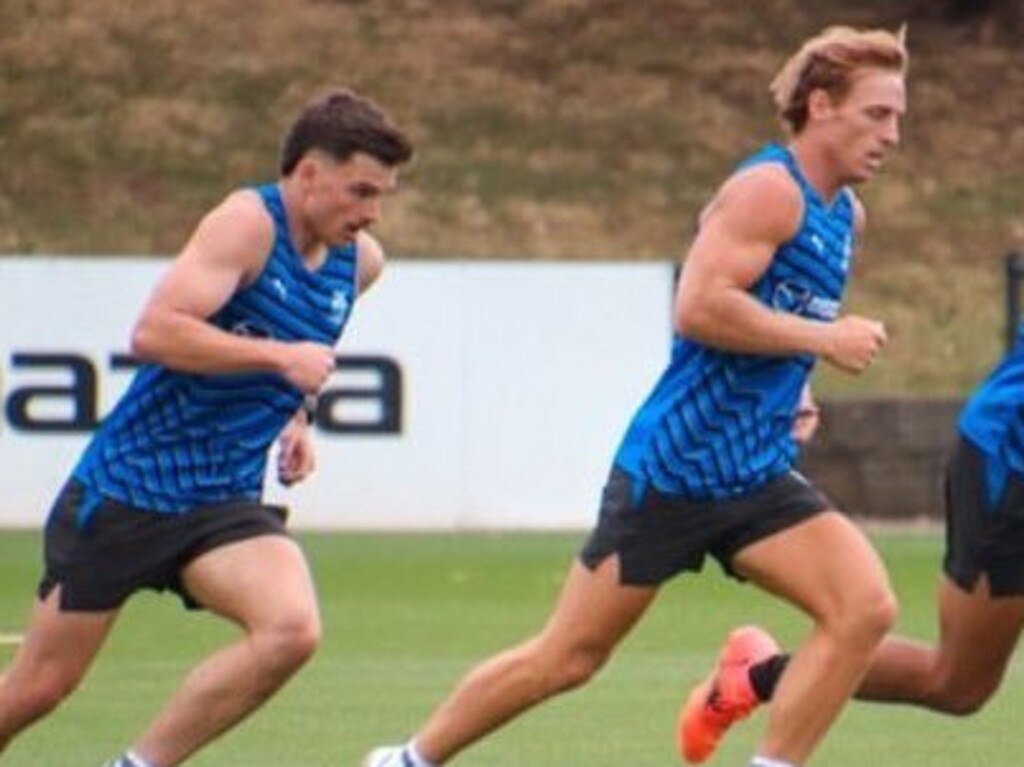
{"type": "Point", "coordinates": [869, 168]}
{"type": "Point", "coordinates": [345, 237]}
{"type": "Point", "coordinates": [860, 175]}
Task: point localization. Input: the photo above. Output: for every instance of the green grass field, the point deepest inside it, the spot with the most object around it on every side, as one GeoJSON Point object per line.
{"type": "Point", "coordinates": [405, 615]}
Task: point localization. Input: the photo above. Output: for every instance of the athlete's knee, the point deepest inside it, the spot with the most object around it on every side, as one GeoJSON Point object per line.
{"type": "Point", "coordinates": [556, 667]}
{"type": "Point", "coordinates": [960, 702]}
{"type": "Point", "coordinates": [575, 666]}
{"type": "Point", "coordinates": [961, 698]}
{"type": "Point", "coordinates": [880, 612]}
{"type": "Point", "coordinates": [31, 696]}
{"type": "Point", "coordinates": [287, 642]}
{"type": "Point", "coordinates": [581, 666]}
{"type": "Point", "coordinates": [866, 617]}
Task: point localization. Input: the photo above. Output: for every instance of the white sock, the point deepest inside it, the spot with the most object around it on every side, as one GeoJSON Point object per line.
{"type": "Point", "coordinates": [414, 757]}
{"type": "Point", "coordinates": [765, 761]}
{"type": "Point", "coordinates": [130, 759]}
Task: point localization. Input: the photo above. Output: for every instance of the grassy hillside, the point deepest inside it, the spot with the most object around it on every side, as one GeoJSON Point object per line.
{"type": "Point", "coordinates": [561, 129]}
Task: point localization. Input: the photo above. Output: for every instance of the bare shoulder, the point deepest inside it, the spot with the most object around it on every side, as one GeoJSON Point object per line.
{"type": "Point", "coordinates": [371, 258]}
{"type": "Point", "coordinates": [763, 199]}
{"type": "Point", "coordinates": [243, 210]}
{"type": "Point", "coordinates": [239, 230]}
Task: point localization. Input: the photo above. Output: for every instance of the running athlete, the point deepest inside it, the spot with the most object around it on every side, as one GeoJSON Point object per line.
{"type": "Point", "coordinates": [980, 599]}
{"type": "Point", "coordinates": [168, 494]}
{"type": "Point", "coordinates": [706, 464]}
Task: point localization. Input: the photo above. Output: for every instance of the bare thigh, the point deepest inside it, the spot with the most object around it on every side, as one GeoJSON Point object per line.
{"type": "Point", "coordinates": [821, 565]}
{"type": "Point", "coordinates": [595, 610]}
{"type": "Point", "coordinates": [254, 582]}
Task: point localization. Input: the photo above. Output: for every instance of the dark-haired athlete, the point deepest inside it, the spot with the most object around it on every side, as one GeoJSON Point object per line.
{"type": "Point", "coordinates": [168, 494]}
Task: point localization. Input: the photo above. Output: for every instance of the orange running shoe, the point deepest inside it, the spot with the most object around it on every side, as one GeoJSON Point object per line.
{"type": "Point", "coordinates": [724, 697]}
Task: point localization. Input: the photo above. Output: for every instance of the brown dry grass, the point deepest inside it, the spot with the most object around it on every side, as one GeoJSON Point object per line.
{"type": "Point", "coordinates": [547, 129]}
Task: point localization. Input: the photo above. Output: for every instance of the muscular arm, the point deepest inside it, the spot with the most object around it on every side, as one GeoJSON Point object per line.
{"type": "Point", "coordinates": [755, 212]}
{"type": "Point", "coordinates": [225, 253]}
{"type": "Point", "coordinates": [227, 250]}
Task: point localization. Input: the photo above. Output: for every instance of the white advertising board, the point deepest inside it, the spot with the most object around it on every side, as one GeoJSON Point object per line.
{"type": "Point", "coordinates": [468, 396]}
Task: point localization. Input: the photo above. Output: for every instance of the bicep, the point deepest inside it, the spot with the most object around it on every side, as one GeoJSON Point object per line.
{"type": "Point", "coordinates": [195, 284]}
{"type": "Point", "coordinates": [725, 253]}
{"type": "Point", "coordinates": [739, 234]}
{"type": "Point", "coordinates": [222, 253]}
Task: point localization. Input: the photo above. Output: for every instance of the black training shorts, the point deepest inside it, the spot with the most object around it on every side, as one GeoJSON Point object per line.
{"type": "Point", "coordinates": [656, 535]}
{"type": "Point", "coordinates": [981, 537]}
{"type": "Point", "coordinates": [101, 557]}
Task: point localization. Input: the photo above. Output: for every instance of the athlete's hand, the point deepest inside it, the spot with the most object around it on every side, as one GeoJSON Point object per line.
{"type": "Point", "coordinates": [807, 418]}
{"type": "Point", "coordinates": [296, 458]}
{"type": "Point", "coordinates": [307, 364]}
{"type": "Point", "coordinates": [854, 342]}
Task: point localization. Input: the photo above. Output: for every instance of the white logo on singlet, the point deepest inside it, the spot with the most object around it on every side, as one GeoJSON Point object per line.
{"type": "Point", "coordinates": [794, 298]}
{"type": "Point", "coordinates": [339, 307]}
{"type": "Point", "coordinates": [279, 286]}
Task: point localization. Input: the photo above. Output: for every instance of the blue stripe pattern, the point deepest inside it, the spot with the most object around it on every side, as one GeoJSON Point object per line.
{"type": "Point", "coordinates": [179, 440]}
{"type": "Point", "coordinates": [717, 424]}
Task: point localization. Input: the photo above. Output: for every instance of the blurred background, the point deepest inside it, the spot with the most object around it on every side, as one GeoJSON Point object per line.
{"type": "Point", "coordinates": [548, 131]}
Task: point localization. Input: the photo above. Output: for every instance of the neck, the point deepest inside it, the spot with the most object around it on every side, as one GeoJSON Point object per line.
{"type": "Point", "coordinates": [310, 248]}
{"type": "Point", "coordinates": [817, 167]}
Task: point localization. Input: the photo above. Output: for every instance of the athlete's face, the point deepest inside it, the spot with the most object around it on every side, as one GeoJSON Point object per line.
{"type": "Point", "coordinates": [865, 125]}
{"type": "Point", "coordinates": [341, 198]}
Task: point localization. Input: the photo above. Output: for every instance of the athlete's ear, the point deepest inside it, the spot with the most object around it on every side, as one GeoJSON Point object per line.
{"type": "Point", "coordinates": [306, 168]}
{"type": "Point", "coordinates": [819, 105]}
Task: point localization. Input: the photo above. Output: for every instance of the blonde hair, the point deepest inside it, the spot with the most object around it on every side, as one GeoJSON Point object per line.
{"type": "Point", "coordinates": [828, 61]}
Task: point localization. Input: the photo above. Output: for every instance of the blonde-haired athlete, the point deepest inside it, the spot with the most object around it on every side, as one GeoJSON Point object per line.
{"type": "Point", "coordinates": [847, 66]}
{"type": "Point", "coordinates": [706, 466]}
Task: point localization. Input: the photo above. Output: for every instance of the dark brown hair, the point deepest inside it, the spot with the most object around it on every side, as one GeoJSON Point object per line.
{"type": "Point", "coordinates": [342, 123]}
